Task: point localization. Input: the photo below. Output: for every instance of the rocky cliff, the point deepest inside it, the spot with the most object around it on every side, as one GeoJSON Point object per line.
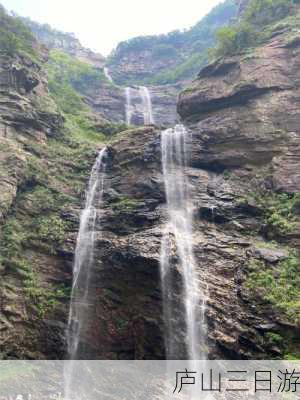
{"type": "Point", "coordinates": [169, 58]}
{"type": "Point", "coordinates": [243, 114]}
{"type": "Point", "coordinates": [43, 171]}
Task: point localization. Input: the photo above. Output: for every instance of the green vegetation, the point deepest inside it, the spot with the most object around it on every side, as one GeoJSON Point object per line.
{"type": "Point", "coordinates": [182, 71]}
{"type": "Point", "coordinates": [68, 74]}
{"type": "Point", "coordinates": [42, 299]}
{"type": "Point", "coordinates": [288, 345]}
{"type": "Point", "coordinates": [124, 204]}
{"type": "Point", "coordinates": [184, 51]}
{"type": "Point", "coordinates": [279, 285]}
{"type": "Point", "coordinates": [15, 37]}
{"type": "Point", "coordinates": [280, 210]}
{"type": "Point", "coordinates": [54, 180]}
{"type": "Point", "coordinates": [251, 29]}
{"type": "Point", "coordinates": [68, 78]}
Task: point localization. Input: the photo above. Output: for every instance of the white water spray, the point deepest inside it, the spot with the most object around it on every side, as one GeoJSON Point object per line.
{"type": "Point", "coordinates": [83, 264]}
{"type": "Point", "coordinates": [128, 106]}
{"type": "Point", "coordinates": [179, 230]}
{"type": "Point", "coordinates": [147, 105]}
{"type": "Point", "coordinates": [107, 74]}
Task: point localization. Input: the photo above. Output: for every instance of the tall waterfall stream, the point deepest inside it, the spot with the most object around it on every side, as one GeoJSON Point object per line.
{"type": "Point", "coordinates": [83, 264]}
{"type": "Point", "coordinates": [176, 251]}
{"type": "Point", "coordinates": [178, 234]}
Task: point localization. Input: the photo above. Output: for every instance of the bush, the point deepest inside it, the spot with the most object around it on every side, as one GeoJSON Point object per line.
{"type": "Point", "coordinates": [67, 78]}
{"type": "Point", "coordinates": [51, 229]}
{"type": "Point", "coordinates": [249, 31]}
{"type": "Point", "coordinates": [15, 37]}
{"type": "Point", "coordinates": [278, 285]}
{"type": "Point", "coordinates": [11, 240]}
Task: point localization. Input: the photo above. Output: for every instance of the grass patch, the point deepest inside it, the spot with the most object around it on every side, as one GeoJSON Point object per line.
{"type": "Point", "coordinates": [124, 204]}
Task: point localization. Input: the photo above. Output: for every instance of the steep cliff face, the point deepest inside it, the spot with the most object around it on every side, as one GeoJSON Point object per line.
{"type": "Point", "coordinates": [244, 115]}
{"type": "Point", "coordinates": [169, 58]}
{"type": "Point", "coordinates": [43, 171]}
{"type": "Point", "coordinates": [244, 118]}
{"type": "Point", "coordinates": [83, 71]}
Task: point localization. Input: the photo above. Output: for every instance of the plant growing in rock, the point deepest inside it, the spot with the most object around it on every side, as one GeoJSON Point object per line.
{"type": "Point", "coordinates": [249, 31]}
{"type": "Point", "coordinates": [278, 285]}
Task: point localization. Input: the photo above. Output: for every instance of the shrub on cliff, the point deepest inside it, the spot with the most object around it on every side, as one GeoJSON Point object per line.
{"type": "Point", "coordinates": [67, 78]}
{"type": "Point", "coordinates": [249, 30]}
{"type": "Point", "coordinates": [15, 37]}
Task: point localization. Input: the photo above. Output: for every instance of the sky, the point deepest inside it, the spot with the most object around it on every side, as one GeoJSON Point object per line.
{"type": "Point", "coordinates": [101, 25]}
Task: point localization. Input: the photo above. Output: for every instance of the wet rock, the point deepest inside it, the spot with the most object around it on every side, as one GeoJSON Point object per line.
{"type": "Point", "coordinates": [270, 255]}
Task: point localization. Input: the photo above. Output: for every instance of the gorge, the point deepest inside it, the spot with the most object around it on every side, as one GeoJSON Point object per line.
{"type": "Point", "coordinates": [186, 242]}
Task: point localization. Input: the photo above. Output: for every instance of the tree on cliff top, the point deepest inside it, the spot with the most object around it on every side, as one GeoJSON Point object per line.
{"type": "Point", "coordinates": [248, 31]}
{"type": "Point", "coordinates": [15, 37]}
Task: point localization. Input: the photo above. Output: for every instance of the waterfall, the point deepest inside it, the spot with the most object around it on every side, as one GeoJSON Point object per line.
{"type": "Point", "coordinates": [133, 105]}
{"type": "Point", "coordinates": [83, 264]}
{"type": "Point", "coordinates": [128, 106]}
{"type": "Point", "coordinates": [179, 230]}
{"type": "Point", "coordinates": [147, 105]}
{"type": "Point", "coordinates": [107, 74]}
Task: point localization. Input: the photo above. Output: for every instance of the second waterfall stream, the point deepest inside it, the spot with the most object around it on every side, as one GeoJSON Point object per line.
{"type": "Point", "coordinates": [178, 235]}
{"type": "Point", "coordinates": [79, 314]}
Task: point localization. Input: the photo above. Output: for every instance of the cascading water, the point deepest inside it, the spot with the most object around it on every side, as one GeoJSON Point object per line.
{"type": "Point", "coordinates": [133, 106]}
{"type": "Point", "coordinates": [179, 230]}
{"type": "Point", "coordinates": [147, 105]}
{"type": "Point", "coordinates": [128, 106]}
{"type": "Point", "coordinates": [83, 265]}
{"type": "Point", "coordinates": [107, 74]}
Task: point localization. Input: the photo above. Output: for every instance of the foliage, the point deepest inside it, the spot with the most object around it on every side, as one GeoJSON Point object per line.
{"type": "Point", "coordinates": [42, 299]}
{"type": "Point", "coordinates": [54, 180]}
{"type": "Point", "coordinates": [51, 229]}
{"type": "Point", "coordinates": [69, 71]}
{"type": "Point", "coordinates": [186, 50]}
{"type": "Point", "coordinates": [279, 212]}
{"type": "Point", "coordinates": [11, 241]}
{"type": "Point", "coordinates": [15, 37]}
{"type": "Point", "coordinates": [182, 71]}
{"type": "Point", "coordinates": [67, 78]}
{"type": "Point", "coordinates": [249, 31]}
{"type": "Point", "coordinates": [111, 129]}
{"type": "Point", "coordinates": [124, 204]}
{"type": "Point", "coordinates": [278, 285]}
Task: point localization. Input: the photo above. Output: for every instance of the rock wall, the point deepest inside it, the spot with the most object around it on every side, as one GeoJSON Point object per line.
{"type": "Point", "coordinates": [42, 179]}
{"type": "Point", "coordinates": [110, 101]}
{"type": "Point", "coordinates": [244, 116]}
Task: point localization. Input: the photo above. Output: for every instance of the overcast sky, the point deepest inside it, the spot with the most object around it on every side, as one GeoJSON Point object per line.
{"type": "Point", "coordinates": [101, 25]}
